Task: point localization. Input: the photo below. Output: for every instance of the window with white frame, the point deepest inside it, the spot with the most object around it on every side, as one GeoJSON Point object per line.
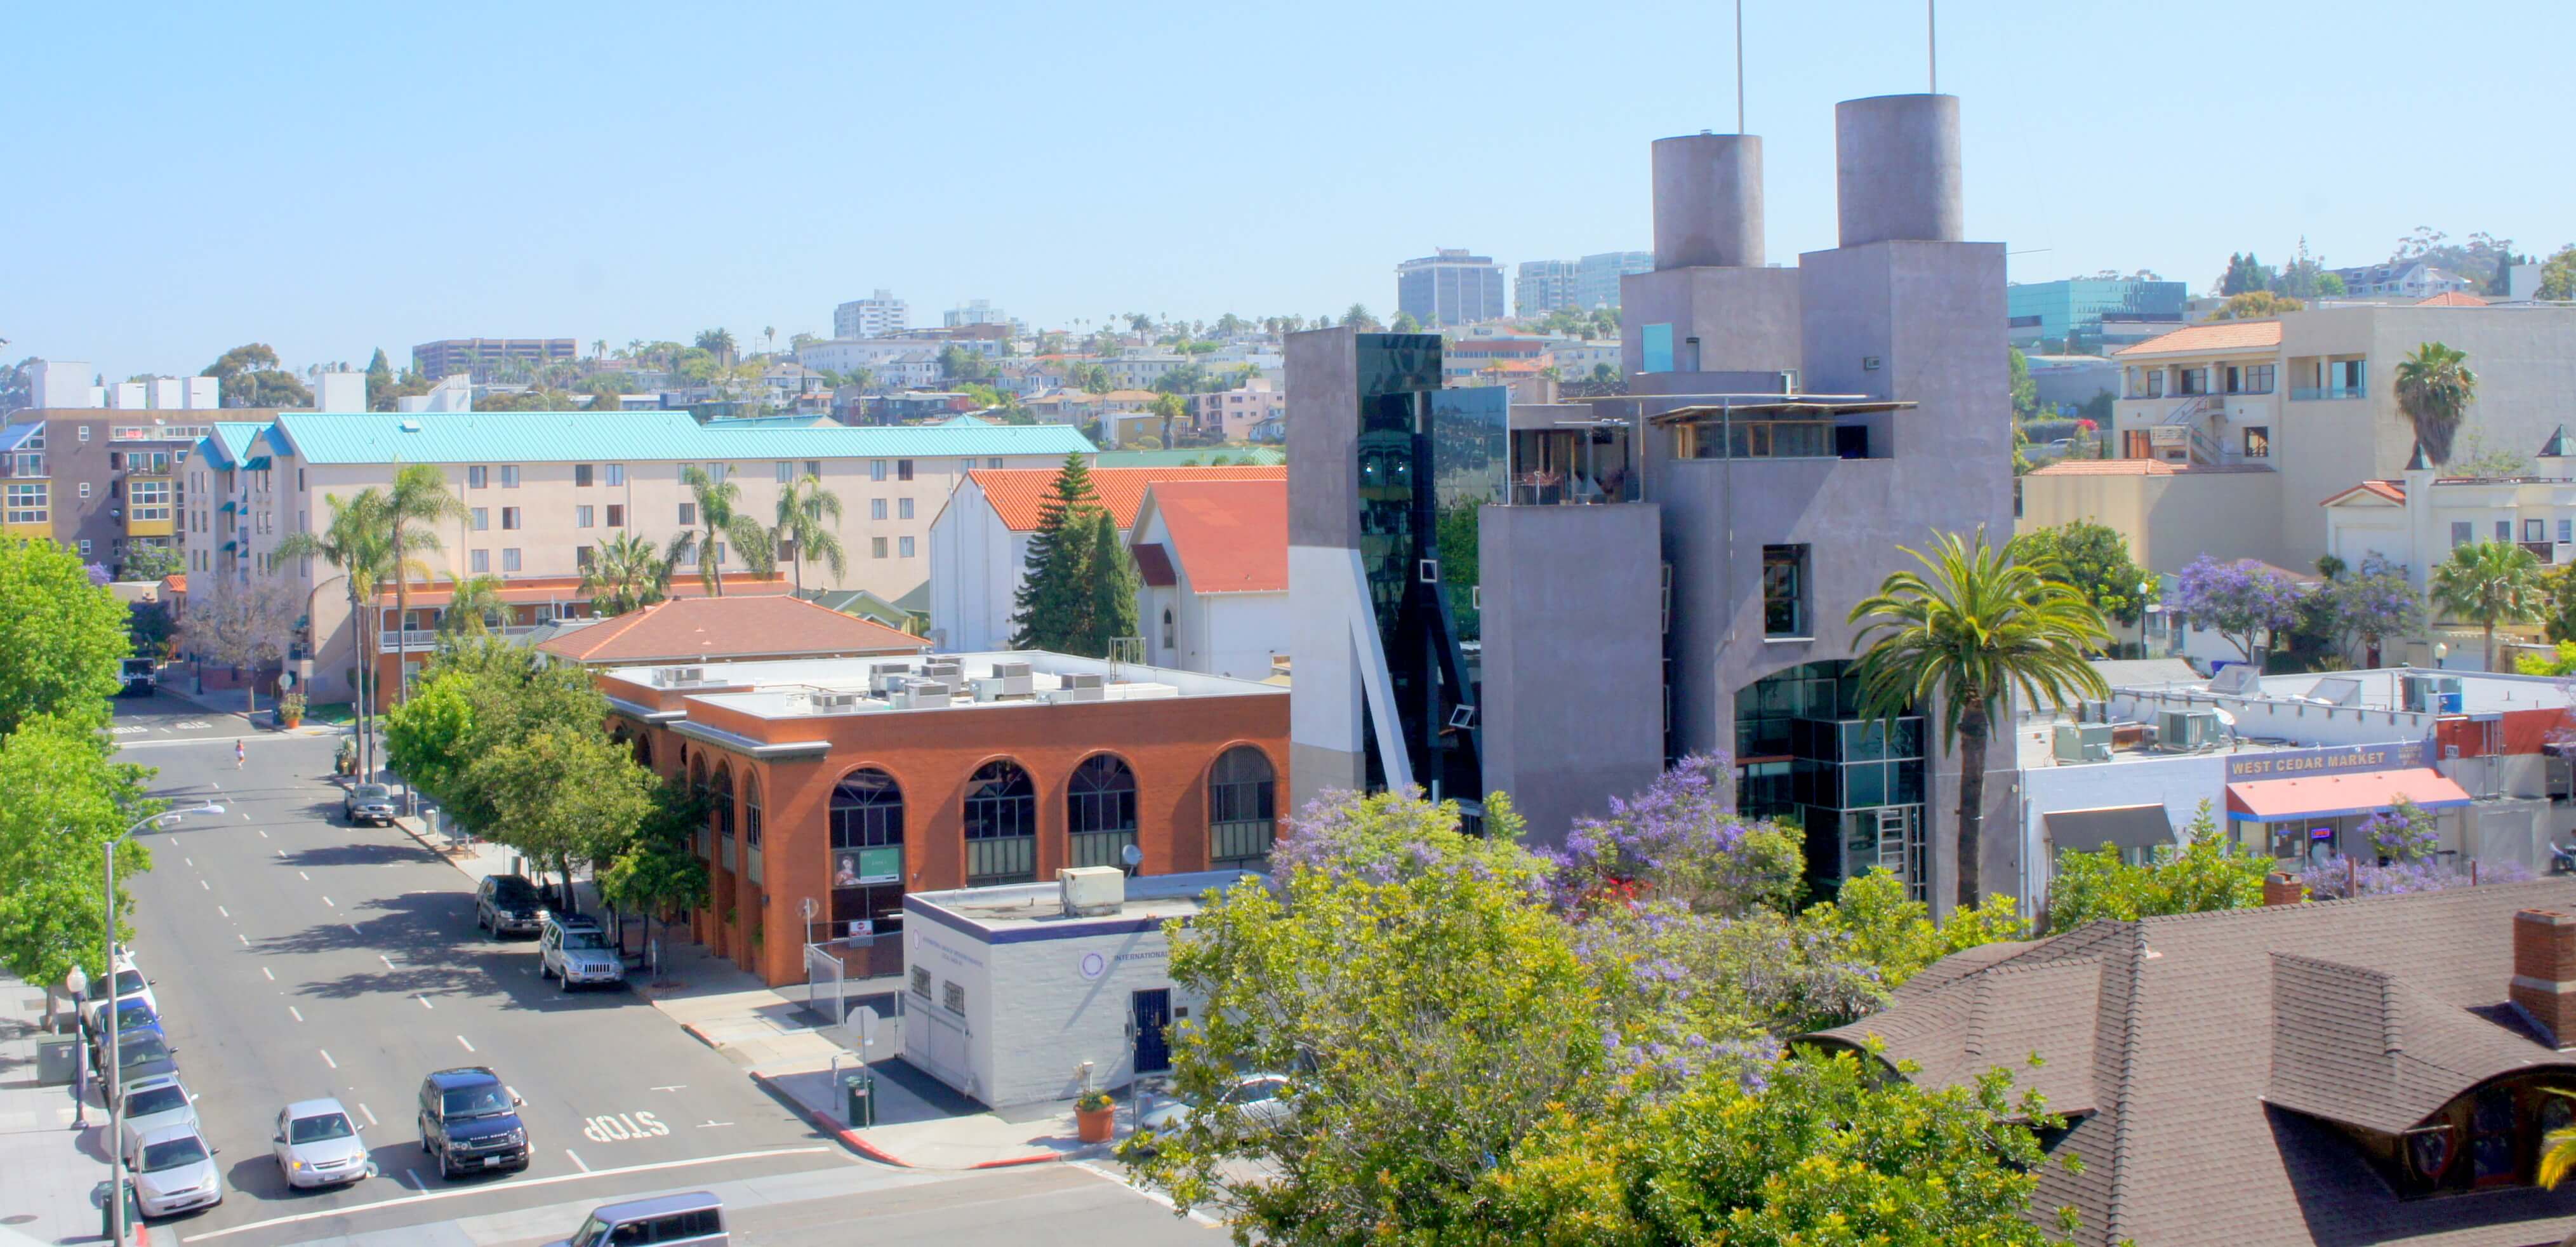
{"type": "Point", "coordinates": [510, 559]}
{"type": "Point", "coordinates": [478, 477]}
{"type": "Point", "coordinates": [876, 508]}
{"type": "Point", "coordinates": [876, 469]}
{"type": "Point", "coordinates": [26, 503]}
{"type": "Point", "coordinates": [903, 508]}
{"type": "Point", "coordinates": [509, 476]}
{"type": "Point", "coordinates": [903, 546]}
{"type": "Point", "coordinates": [476, 561]}
{"type": "Point", "coordinates": [482, 517]}
{"type": "Point", "coordinates": [613, 473]}
{"type": "Point", "coordinates": [149, 499]}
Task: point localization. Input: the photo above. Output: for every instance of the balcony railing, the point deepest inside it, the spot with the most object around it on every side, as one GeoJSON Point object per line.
{"type": "Point", "coordinates": [1102, 848]}
{"type": "Point", "coordinates": [1001, 859]}
{"type": "Point", "coordinates": [2312, 393]}
{"type": "Point", "coordinates": [420, 639]}
{"type": "Point", "coordinates": [2546, 552]}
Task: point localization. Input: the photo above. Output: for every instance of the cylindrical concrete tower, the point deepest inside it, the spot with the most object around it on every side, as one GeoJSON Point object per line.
{"type": "Point", "coordinates": [1896, 169]}
{"type": "Point", "coordinates": [1708, 201]}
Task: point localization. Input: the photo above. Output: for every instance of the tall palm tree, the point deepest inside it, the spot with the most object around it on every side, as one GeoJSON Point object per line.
{"type": "Point", "coordinates": [626, 574]}
{"type": "Point", "coordinates": [1974, 628]}
{"type": "Point", "coordinates": [357, 542]}
{"type": "Point", "coordinates": [2434, 388]}
{"type": "Point", "coordinates": [717, 342]}
{"type": "Point", "coordinates": [770, 332]}
{"type": "Point", "coordinates": [599, 348]}
{"type": "Point", "coordinates": [803, 508]}
{"type": "Point", "coordinates": [2491, 582]}
{"type": "Point", "coordinates": [415, 502]}
{"type": "Point", "coordinates": [720, 519]}
{"type": "Point", "coordinates": [1170, 407]}
{"type": "Point", "coordinates": [472, 604]}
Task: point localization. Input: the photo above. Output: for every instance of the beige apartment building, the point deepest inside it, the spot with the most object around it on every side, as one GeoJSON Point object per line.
{"type": "Point", "coordinates": [543, 491]}
{"type": "Point", "coordinates": [2226, 437]}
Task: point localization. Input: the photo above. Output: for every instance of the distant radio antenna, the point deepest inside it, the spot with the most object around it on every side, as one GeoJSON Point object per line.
{"type": "Point", "coordinates": [1932, 40]}
{"type": "Point", "coordinates": [1739, 66]}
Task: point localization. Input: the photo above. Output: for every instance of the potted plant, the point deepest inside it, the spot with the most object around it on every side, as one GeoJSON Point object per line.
{"type": "Point", "coordinates": [1095, 1116]}
{"type": "Point", "coordinates": [290, 710]}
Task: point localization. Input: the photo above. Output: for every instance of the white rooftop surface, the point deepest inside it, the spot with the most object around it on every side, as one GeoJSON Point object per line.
{"type": "Point", "coordinates": [1013, 906]}
{"type": "Point", "coordinates": [2481, 693]}
{"type": "Point", "coordinates": [787, 688]}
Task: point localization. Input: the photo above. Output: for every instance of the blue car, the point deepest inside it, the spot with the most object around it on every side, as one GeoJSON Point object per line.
{"type": "Point", "coordinates": [134, 1020]}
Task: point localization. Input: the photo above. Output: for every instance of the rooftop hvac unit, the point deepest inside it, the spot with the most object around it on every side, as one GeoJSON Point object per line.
{"type": "Point", "coordinates": [2082, 742]}
{"type": "Point", "coordinates": [890, 681]}
{"type": "Point", "coordinates": [2337, 691]}
{"type": "Point", "coordinates": [2187, 729]}
{"type": "Point", "coordinates": [1092, 891]}
{"type": "Point", "coordinates": [924, 695]}
{"type": "Point", "coordinates": [1085, 679]}
{"type": "Point", "coordinates": [2093, 712]}
{"type": "Point", "coordinates": [835, 703]}
{"type": "Point", "coordinates": [876, 669]}
{"type": "Point", "coordinates": [1006, 668]}
{"type": "Point", "coordinates": [2429, 694]}
{"type": "Point", "coordinates": [672, 677]}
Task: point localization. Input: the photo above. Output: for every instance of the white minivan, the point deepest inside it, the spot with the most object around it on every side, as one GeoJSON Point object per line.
{"type": "Point", "coordinates": [696, 1218]}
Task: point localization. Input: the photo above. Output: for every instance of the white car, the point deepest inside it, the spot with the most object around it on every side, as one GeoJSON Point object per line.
{"type": "Point", "coordinates": [174, 1172]}
{"type": "Point", "coordinates": [1263, 1099]}
{"type": "Point", "coordinates": [130, 985]}
{"type": "Point", "coordinates": [156, 1104]}
{"type": "Point", "coordinates": [318, 1145]}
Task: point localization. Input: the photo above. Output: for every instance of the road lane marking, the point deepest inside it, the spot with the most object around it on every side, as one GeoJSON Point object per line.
{"type": "Point", "coordinates": [371, 1113]}
{"type": "Point", "coordinates": [243, 938]}
{"type": "Point", "coordinates": [303, 876]}
{"type": "Point", "coordinates": [353, 927]}
{"type": "Point", "coordinates": [468, 1047]}
{"type": "Point", "coordinates": [710, 1125]}
{"type": "Point", "coordinates": [225, 912]}
{"type": "Point", "coordinates": [207, 886]}
{"type": "Point", "coordinates": [424, 1001]}
{"type": "Point", "coordinates": [299, 1013]}
{"type": "Point", "coordinates": [272, 975]}
{"type": "Point", "coordinates": [192, 862]}
{"type": "Point", "coordinates": [673, 1087]}
{"type": "Point", "coordinates": [332, 903]}
{"type": "Point", "coordinates": [576, 1160]}
{"type": "Point", "coordinates": [326, 1058]}
{"type": "Point", "coordinates": [454, 1192]}
{"type": "Point", "coordinates": [389, 962]}
{"type": "Point", "coordinates": [620, 1127]}
{"type": "Point", "coordinates": [416, 1183]}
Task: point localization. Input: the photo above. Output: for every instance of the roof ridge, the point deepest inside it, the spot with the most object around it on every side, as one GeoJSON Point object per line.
{"type": "Point", "coordinates": [2123, 1094]}
{"type": "Point", "coordinates": [2251, 912]}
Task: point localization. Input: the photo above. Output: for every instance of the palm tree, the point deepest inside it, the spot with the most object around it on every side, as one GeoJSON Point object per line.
{"type": "Point", "coordinates": [472, 604]}
{"type": "Point", "coordinates": [2434, 388]}
{"type": "Point", "coordinates": [1974, 628]}
{"type": "Point", "coordinates": [599, 348]}
{"type": "Point", "coordinates": [717, 342]}
{"type": "Point", "coordinates": [1170, 407]}
{"type": "Point", "coordinates": [802, 509]}
{"type": "Point", "coordinates": [770, 332]}
{"type": "Point", "coordinates": [2491, 582]}
{"type": "Point", "coordinates": [719, 520]}
{"type": "Point", "coordinates": [417, 499]}
{"type": "Point", "coordinates": [626, 574]}
{"type": "Point", "coordinates": [357, 542]}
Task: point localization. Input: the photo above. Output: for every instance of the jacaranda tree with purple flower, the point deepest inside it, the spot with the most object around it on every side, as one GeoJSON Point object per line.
{"type": "Point", "coordinates": [1681, 843]}
{"type": "Point", "coordinates": [2241, 600]}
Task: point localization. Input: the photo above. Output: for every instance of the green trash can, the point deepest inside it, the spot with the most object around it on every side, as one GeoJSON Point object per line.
{"type": "Point", "coordinates": [859, 1101]}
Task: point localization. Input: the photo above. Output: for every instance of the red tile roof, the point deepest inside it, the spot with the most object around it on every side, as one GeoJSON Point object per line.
{"type": "Point", "coordinates": [2393, 491]}
{"type": "Point", "coordinates": [2138, 467]}
{"type": "Point", "coordinates": [689, 629]}
{"type": "Point", "coordinates": [175, 582]}
{"type": "Point", "coordinates": [1231, 536]}
{"type": "Point", "coordinates": [2224, 335]}
{"type": "Point", "coordinates": [2452, 298]}
{"type": "Point", "coordinates": [1018, 494]}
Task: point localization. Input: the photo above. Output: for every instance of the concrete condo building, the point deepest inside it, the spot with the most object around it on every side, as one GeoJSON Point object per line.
{"type": "Point", "coordinates": [483, 358]}
{"type": "Point", "coordinates": [1450, 287]}
{"type": "Point", "coordinates": [1787, 429]}
{"type": "Point", "coordinates": [1543, 286]}
{"type": "Point", "coordinates": [1596, 277]}
{"type": "Point", "coordinates": [880, 315]}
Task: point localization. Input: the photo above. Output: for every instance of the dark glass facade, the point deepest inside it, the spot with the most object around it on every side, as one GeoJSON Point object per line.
{"type": "Point", "coordinates": [1427, 458]}
{"type": "Point", "coordinates": [1855, 785]}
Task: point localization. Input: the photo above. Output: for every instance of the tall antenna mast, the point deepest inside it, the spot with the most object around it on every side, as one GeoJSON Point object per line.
{"type": "Point", "coordinates": [1739, 66]}
{"type": "Point", "coordinates": [1932, 40]}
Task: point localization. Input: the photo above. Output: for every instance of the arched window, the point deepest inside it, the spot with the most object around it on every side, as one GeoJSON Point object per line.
{"type": "Point", "coordinates": [1100, 811]}
{"type": "Point", "coordinates": [720, 806]}
{"type": "Point", "coordinates": [1243, 810]}
{"type": "Point", "coordinates": [1167, 627]}
{"type": "Point", "coordinates": [698, 789]}
{"type": "Point", "coordinates": [1001, 825]}
{"type": "Point", "coordinates": [644, 750]}
{"type": "Point", "coordinates": [867, 869]}
{"type": "Point", "coordinates": [751, 809]}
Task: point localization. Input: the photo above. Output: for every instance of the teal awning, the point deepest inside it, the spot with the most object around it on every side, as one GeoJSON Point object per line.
{"type": "Point", "coordinates": [227, 546]}
{"type": "Point", "coordinates": [228, 505]}
{"type": "Point", "coordinates": [259, 464]}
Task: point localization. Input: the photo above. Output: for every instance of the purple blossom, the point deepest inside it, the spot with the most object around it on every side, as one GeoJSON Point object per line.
{"type": "Point", "coordinates": [2340, 878]}
{"type": "Point", "coordinates": [1679, 841]}
{"type": "Point", "coordinates": [2243, 600]}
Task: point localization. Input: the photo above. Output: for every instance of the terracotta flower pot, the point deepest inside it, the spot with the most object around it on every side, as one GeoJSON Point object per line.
{"type": "Point", "coordinates": [1095, 1125]}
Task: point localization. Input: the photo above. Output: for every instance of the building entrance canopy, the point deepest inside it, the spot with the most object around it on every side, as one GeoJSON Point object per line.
{"type": "Point", "coordinates": [2334, 796]}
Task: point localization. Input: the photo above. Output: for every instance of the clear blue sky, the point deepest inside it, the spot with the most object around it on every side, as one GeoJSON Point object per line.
{"type": "Point", "coordinates": [332, 178]}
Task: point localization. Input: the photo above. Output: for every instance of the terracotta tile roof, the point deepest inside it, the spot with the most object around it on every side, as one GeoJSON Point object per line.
{"type": "Point", "coordinates": [1018, 494]}
{"type": "Point", "coordinates": [688, 629]}
{"type": "Point", "coordinates": [1231, 536]}
{"type": "Point", "coordinates": [2138, 467]}
{"type": "Point", "coordinates": [2452, 298]}
{"type": "Point", "coordinates": [2222, 335]}
{"type": "Point", "coordinates": [175, 582]}
{"type": "Point", "coordinates": [2222, 1058]}
{"type": "Point", "coordinates": [2393, 491]}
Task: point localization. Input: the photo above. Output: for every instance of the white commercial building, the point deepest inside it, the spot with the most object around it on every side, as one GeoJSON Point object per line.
{"type": "Point", "coordinates": [880, 315]}
{"type": "Point", "coordinates": [1033, 992]}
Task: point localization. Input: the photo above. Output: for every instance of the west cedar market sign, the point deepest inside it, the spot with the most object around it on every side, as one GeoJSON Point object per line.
{"type": "Point", "coordinates": [2295, 763]}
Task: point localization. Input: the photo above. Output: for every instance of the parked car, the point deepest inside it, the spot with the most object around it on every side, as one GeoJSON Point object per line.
{"type": "Point", "coordinates": [141, 676]}
{"type": "Point", "coordinates": [130, 985]}
{"type": "Point", "coordinates": [317, 1144]}
{"type": "Point", "coordinates": [174, 1172]}
{"type": "Point", "coordinates": [134, 1019]}
{"type": "Point", "coordinates": [574, 949]}
{"type": "Point", "coordinates": [155, 1104]}
{"type": "Point", "coordinates": [1261, 1097]}
{"type": "Point", "coordinates": [470, 1122]}
{"type": "Point", "coordinates": [508, 905]}
{"type": "Point", "coordinates": [695, 1217]}
{"type": "Point", "coordinates": [140, 1060]}
{"type": "Point", "coordinates": [368, 803]}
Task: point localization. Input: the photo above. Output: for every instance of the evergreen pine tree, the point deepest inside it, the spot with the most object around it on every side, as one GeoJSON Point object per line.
{"type": "Point", "coordinates": [1048, 611]}
{"type": "Point", "coordinates": [1110, 575]}
{"type": "Point", "coordinates": [380, 379]}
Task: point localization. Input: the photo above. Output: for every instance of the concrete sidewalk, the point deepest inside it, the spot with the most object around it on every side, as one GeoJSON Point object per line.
{"type": "Point", "coordinates": [227, 703]}
{"type": "Point", "coordinates": [52, 1173]}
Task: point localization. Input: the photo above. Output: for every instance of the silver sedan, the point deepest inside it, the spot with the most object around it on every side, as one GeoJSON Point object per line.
{"type": "Point", "coordinates": [318, 1145]}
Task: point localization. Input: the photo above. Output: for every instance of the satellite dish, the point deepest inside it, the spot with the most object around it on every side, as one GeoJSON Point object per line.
{"type": "Point", "coordinates": [1132, 857]}
{"type": "Point", "coordinates": [2225, 716]}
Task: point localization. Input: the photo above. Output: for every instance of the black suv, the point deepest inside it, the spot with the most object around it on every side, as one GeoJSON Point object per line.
{"type": "Point", "coordinates": [470, 1122]}
{"type": "Point", "coordinates": [508, 904]}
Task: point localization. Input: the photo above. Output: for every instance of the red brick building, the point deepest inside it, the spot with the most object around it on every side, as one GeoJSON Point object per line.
{"type": "Point", "coordinates": [849, 782]}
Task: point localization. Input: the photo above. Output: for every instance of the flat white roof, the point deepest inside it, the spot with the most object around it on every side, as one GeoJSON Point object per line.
{"type": "Point", "coordinates": [1013, 913]}
{"type": "Point", "coordinates": [805, 687]}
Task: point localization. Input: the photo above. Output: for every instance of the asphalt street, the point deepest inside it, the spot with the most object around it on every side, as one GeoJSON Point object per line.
{"type": "Point", "coordinates": [295, 957]}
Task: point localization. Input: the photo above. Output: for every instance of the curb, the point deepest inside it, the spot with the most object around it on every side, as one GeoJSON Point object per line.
{"type": "Point", "coordinates": [1015, 1161]}
{"type": "Point", "coordinates": [691, 1030]}
{"type": "Point", "coordinates": [817, 1118]}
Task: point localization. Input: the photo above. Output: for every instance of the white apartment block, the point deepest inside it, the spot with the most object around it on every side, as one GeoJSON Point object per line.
{"type": "Point", "coordinates": [880, 315]}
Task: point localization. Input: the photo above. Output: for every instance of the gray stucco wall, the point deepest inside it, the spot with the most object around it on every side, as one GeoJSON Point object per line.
{"type": "Point", "coordinates": [1746, 319]}
{"type": "Point", "coordinates": [1323, 434]}
{"type": "Point", "coordinates": [1708, 201]}
{"type": "Point", "coordinates": [1573, 657]}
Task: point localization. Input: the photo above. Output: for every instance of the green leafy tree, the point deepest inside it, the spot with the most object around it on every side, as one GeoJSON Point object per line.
{"type": "Point", "coordinates": [143, 562]}
{"type": "Point", "coordinates": [474, 607]}
{"type": "Point", "coordinates": [626, 573]}
{"type": "Point", "coordinates": [2245, 273]}
{"type": "Point", "coordinates": [2025, 392]}
{"type": "Point", "coordinates": [717, 343]}
{"type": "Point", "coordinates": [2489, 583]}
{"type": "Point", "coordinates": [426, 736]}
{"type": "Point", "coordinates": [720, 520]}
{"type": "Point", "coordinates": [359, 543]}
{"type": "Point", "coordinates": [808, 519]}
{"type": "Point", "coordinates": [562, 795]}
{"type": "Point", "coordinates": [243, 626]}
{"type": "Point", "coordinates": [1405, 323]}
{"type": "Point", "coordinates": [1888, 929]}
{"type": "Point", "coordinates": [62, 638]}
{"type": "Point", "coordinates": [2094, 559]}
{"type": "Point", "coordinates": [2434, 390]}
{"type": "Point", "coordinates": [657, 870]}
{"type": "Point", "coordinates": [2256, 305]}
{"type": "Point", "coordinates": [2558, 275]}
{"type": "Point", "coordinates": [1975, 629]}
{"type": "Point", "coordinates": [415, 502]}
{"type": "Point", "coordinates": [1357, 317]}
{"type": "Point", "coordinates": [1052, 607]}
{"type": "Point", "coordinates": [249, 376]}
{"type": "Point", "coordinates": [2209, 872]}
{"type": "Point", "coordinates": [380, 381]}
{"type": "Point", "coordinates": [61, 802]}
{"type": "Point", "coordinates": [1109, 572]}
{"type": "Point", "coordinates": [1169, 408]}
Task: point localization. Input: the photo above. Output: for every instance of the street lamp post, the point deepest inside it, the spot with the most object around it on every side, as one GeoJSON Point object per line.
{"type": "Point", "coordinates": [112, 1067]}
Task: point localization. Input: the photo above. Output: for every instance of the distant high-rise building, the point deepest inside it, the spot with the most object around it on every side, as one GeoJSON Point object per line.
{"type": "Point", "coordinates": [880, 315]}
{"type": "Point", "coordinates": [1596, 277]}
{"type": "Point", "coordinates": [1543, 286]}
{"type": "Point", "coordinates": [976, 312]}
{"type": "Point", "coordinates": [483, 358]}
{"type": "Point", "coordinates": [1450, 287]}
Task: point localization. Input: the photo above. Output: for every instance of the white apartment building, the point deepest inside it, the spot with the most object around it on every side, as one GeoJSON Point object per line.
{"type": "Point", "coordinates": [2419, 517]}
{"type": "Point", "coordinates": [880, 315]}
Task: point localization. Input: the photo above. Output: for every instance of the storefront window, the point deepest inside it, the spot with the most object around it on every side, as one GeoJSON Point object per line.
{"type": "Point", "coordinates": [867, 852]}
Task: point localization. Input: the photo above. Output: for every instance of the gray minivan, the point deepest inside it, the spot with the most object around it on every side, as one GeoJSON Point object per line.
{"type": "Point", "coordinates": [696, 1217]}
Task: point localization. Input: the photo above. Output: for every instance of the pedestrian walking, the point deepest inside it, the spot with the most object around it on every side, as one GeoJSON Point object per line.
{"type": "Point", "coordinates": [238, 755]}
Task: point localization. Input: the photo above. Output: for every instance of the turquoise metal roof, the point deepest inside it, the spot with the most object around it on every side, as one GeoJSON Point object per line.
{"type": "Point", "coordinates": [1264, 456]}
{"type": "Point", "coordinates": [229, 444]}
{"type": "Point", "coordinates": [583, 437]}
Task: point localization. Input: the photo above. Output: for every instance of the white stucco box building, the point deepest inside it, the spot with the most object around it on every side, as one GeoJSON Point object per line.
{"type": "Point", "coordinates": [1212, 575]}
{"type": "Point", "coordinates": [1011, 995]}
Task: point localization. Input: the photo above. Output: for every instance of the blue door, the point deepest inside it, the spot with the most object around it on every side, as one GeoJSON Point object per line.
{"type": "Point", "coordinates": [1152, 1011]}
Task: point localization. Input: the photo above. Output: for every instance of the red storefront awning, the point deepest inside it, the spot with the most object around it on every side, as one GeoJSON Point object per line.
{"type": "Point", "coordinates": [2331, 796]}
